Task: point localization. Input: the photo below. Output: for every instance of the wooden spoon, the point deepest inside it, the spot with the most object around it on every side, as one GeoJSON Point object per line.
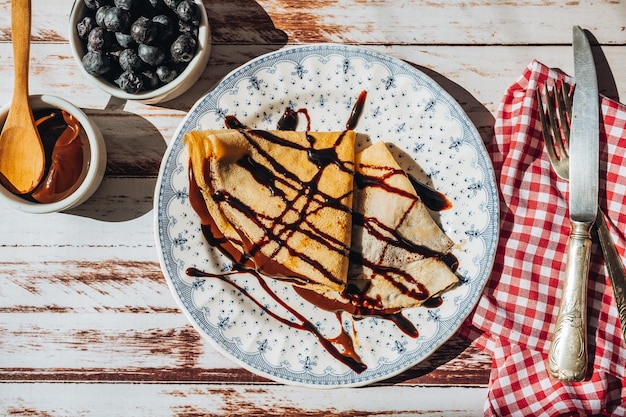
{"type": "Point", "coordinates": [22, 158]}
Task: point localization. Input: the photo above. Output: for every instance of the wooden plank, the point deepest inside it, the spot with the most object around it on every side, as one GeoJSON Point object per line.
{"type": "Point", "coordinates": [473, 371]}
{"type": "Point", "coordinates": [119, 214]}
{"type": "Point", "coordinates": [191, 400]}
{"type": "Point", "coordinates": [483, 22]}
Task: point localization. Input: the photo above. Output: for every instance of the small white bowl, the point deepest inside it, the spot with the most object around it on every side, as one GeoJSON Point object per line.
{"type": "Point", "coordinates": [178, 86]}
{"type": "Point", "coordinates": [93, 167]}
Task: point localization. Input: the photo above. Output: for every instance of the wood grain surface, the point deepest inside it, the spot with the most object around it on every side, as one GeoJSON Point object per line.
{"type": "Point", "coordinates": [87, 322]}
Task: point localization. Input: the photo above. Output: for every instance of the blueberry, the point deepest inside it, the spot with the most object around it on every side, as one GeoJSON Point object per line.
{"type": "Point", "coordinates": [117, 20]}
{"type": "Point", "coordinates": [151, 55]}
{"type": "Point", "coordinates": [130, 81]}
{"type": "Point", "coordinates": [188, 27]}
{"type": "Point", "coordinates": [95, 4]}
{"type": "Point", "coordinates": [100, 15]}
{"type": "Point", "coordinates": [166, 74]}
{"type": "Point", "coordinates": [98, 39]}
{"type": "Point", "coordinates": [129, 60]}
{"type": "Point", "coordinates": [84, 26]}
{"type": "Point", "coordinates": [187, 11]}
{"type": "Point", "coordinates": [144, 30]}
{"type": "Point", "coordinates": [183, 48]}
{"type": "Point", "coordinates": [125, 4]}
{"type": "Point", "coordinates": [96, 63]}
{"type": "Point", "coordinates": [124, 40]}
{"type": "Point", "coordinates": [166, 26]}
{"type": "Point", "coordinates": [150, 80]}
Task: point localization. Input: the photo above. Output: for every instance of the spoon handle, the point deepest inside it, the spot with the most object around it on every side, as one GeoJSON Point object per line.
{"type": "Point", "coordinates": [20, 28]}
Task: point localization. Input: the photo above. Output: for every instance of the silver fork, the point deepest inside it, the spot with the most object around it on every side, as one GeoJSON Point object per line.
{"type": "Point", "coordinates": [555, 127]}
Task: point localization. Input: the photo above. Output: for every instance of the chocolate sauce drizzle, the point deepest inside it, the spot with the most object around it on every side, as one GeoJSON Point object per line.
{"type": "Point", "coordinates": [289, 119]}
{"type": "Point", "coordinates": [320, 200]}
{"type": "Point", "coordinates": [357, 109]}
{"type": "Point", "coordinates": [252, 262]}
{"type": "Point", "coordinates": [349, 356]}
{"type": "Point", "coordinates": [432, 198]}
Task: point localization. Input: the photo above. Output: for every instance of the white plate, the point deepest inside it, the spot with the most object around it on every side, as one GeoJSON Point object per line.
{"type": "Point", "coordinates": [432, 138]}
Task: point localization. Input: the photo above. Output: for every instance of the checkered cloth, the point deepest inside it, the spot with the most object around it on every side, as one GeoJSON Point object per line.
{"type": "Point", "coordinates": [515, 316]}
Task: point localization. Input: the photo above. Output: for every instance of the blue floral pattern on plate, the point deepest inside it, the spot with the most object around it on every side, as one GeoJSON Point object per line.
{"type": "Point", "coordinates": [430, 136]}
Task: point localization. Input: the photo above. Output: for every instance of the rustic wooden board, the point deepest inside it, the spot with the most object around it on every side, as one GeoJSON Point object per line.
{"type": "Point", "coordinates": [195, 400]}
{"type": "Point", "coordinates": [87, 323]}
{"type": "Point", "coordinates": [385, 22]}
{"type": "Point", "coordinates": [114, 319]}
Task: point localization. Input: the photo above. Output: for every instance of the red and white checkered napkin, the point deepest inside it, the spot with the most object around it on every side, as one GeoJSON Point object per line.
{"type": "Point", "coordinates": [515, 316]}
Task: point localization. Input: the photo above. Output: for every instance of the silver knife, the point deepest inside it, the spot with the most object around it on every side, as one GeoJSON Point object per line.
{"type": "Point", "coordinates": [567, 359]}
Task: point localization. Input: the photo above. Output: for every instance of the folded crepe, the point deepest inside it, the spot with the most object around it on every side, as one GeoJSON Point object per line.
{"type": "Point", "coordinates": [398, 251]}
{"type": "Point", "coordinates": [301, 206]}
{"type": "Point", "coordinates": [281, 199]}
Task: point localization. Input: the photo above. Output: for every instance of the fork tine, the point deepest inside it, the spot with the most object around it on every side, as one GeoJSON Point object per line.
{"type": "Point", "coordinates": [567, 97]}
{"type": "Point", "coordinates": [564, 107]}
{"type": "Point", "coordinates": [561, 107]}
{"type": "Point", "coordinates": [547, 135]}
{"type": "Point", "coordinates": [555, 123]}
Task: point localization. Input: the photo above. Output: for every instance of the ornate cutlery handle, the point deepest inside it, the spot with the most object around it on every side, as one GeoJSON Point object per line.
{"type": "Point", "coordinates": [615, 267]}
{"type": "Point", "coordinates": [567, 359]}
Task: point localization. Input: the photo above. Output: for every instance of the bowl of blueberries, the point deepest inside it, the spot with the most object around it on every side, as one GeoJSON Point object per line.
{"type": "Point", "coordinates": [144, 50]}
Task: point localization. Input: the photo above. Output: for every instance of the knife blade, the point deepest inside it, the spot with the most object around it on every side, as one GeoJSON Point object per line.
{"type": "Point", "coordinates": [567, 358]}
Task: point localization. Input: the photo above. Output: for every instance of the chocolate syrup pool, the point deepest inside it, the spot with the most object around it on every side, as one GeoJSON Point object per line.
{"type": "Point", "coordinates": [341, 346]}
{"type": "Point", "coordinates": [63, 143]}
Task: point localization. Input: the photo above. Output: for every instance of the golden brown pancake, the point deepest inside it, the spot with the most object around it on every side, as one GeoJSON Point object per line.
{"type": "Point", "coordinates": [398, 248]}
{"type": "Point", "coordinates": [282, 198]}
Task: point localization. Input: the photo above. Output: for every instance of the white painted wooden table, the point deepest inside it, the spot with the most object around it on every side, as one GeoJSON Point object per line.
{"type": "Point", "coordinates": [87, 324]}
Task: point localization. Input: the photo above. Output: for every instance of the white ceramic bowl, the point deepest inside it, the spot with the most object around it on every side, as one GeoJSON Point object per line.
{"type": "Point", "coordinates": [93, 168]}
{"type": "Point", "coordinates": [178, 86]}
